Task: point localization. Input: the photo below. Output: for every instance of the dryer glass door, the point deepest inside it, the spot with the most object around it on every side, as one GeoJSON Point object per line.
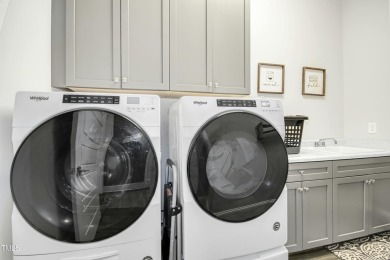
{"type": "Point", "coordinates": [84, 176]}
{"type": "Point", "coordinates": [237, 166]}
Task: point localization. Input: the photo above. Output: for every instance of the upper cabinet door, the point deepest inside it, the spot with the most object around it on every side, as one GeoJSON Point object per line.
{"type": "Point", "coordinates": [230, 46]}
{"type": "Point", "coordinates": [145, 44]}
{"type": "Point", "coordinates": [93, 43]}
{"type": "Point", "coordinates": [190, 46]}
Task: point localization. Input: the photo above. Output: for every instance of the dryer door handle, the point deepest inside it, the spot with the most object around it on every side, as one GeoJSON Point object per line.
{"type": "Point", "coordinates": [175, 209]}
{"type": "Point", "coordinates": [171, 164]}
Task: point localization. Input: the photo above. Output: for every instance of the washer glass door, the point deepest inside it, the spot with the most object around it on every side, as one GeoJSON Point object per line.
{"type": "Point", "coordinates": [237, 166]}
{"type": "Point", "coordinates": [84, 176]}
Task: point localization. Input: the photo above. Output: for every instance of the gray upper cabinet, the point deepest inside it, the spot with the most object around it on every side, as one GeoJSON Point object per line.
{"type": "Point", "coordinates": [145, 44]}
{"type": "Point", "coordinates": [230, 46]}
{"type": "Point", "coordinates": [93, 43]}
{"type": "Point", "coordinates": [117, 44]}
{"type": "Point", "coordinates": [209, 46]}
{"type": "Point", "coordinates": [190, 42]}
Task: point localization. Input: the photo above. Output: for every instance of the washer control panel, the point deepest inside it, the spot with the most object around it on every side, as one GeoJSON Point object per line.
{"type": "Point", "coordinates": [90, 99]}
{"type": "Point", "coordinates": [236, 103]}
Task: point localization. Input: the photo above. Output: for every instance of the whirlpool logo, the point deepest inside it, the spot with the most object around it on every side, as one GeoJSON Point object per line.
{"type": "Point", "coordinates": [39, 98]}
{"type": "Point", "coordinates": [200, 103]}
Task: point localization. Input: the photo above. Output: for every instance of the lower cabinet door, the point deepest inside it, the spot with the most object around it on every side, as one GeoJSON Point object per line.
{"type": "Point", "coordinates": [351, 206]}
{"type": "Point", "coordinates": [294, 198]}
{"type": "Point", "coordinates": [380, 190]}
{"type": "Point", "coordinates": [317, 213]}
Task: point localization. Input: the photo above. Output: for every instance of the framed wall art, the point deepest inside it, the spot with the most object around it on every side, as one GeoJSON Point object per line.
{"type": "Point", "coordinates": [313, 81]}
{"type": "Point", "coordinates": [270, 78]}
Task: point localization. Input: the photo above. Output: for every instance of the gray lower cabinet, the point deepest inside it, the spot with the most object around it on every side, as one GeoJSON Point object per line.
{"type": "Point", "coordinates": [294, 213]}
{"type": "Point", "coordinates": [209, 46]}
{"type": "Point", "coordinates": [361, 206]}
{"type": "Point", "coordinates": [117, 44]}
{"type": "Point", "coordinates": [350, 208]}
{"type": "Point", "coordinates": [380, 186]}
{"type": "Point", "coordinates": [309, 214]}
{"type": "Point", "coordinates": [334, 201]}
{"type": "Point", "coordinates": [309, 171]}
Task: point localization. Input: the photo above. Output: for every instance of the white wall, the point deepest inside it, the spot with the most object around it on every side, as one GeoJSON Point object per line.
{"type": "Point", "coordinates": [24, 65]}
{"type": "Point", "coordinates": [366, 54]}
{"type": "Point", "coordinates": [302, 33]}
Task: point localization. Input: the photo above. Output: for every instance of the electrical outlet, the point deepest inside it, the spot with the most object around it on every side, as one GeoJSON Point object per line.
{"type": "Point", "coordinates": [372, 128]}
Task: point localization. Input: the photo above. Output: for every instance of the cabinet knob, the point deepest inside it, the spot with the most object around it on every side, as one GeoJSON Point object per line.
{"type": "Point", "coordinates": [306, 189]}
{"type": "Point", "coordinates": [372, 181]}
{"type": "Point", "coordinates": [300, 189]}
{"type": "Point", "coordinates": [301, 172]}
{"type": "Point", "coordinates": [116, 80]}
{"type": "Point", "coordinates": [124, 80]}
{"type": "Point", "coordinates": [210, 84]}
{"type": "Point", "coordinates": [368, 181]}
{"type": "Point", "coordinates": [216, 85]}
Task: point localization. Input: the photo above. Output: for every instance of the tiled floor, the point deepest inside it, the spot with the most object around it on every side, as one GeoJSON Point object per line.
{"type": "Point", "coordinates": [316, 254]}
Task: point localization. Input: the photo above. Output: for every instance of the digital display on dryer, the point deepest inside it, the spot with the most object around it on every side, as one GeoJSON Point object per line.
{"type": "Point", "coordinates": [133, 100]}
{"type": "Point", "coordinates": [236, 103]}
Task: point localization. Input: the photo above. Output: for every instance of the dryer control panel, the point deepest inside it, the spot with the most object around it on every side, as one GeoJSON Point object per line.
{"type": "Point", "coordinates": [272, 106]}
{"type": "Point", "coordinates": [236, 103]}
{"type": "Point", "coordinates": [90, 99]}
{"type": "Point", "coordinates": [141, 104]}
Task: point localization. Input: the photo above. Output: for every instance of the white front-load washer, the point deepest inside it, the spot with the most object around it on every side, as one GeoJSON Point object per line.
{"type": "Point", "coordinates": [85, 177]}
{"type": "Point", "coordinates": [232, 168]}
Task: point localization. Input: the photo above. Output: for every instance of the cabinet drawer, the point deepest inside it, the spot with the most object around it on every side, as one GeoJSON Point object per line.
{"type": "Point", "coordinates": [355, 167]}
{"type": "Point", "coordinates": [309, 171]}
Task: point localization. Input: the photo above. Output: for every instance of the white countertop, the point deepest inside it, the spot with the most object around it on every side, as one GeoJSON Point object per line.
{"type": "Point", "coordinates": [332, 153]}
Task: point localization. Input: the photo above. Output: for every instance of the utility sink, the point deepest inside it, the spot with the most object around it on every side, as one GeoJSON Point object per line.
{"type": "Point", "coordinates": [344, 149]}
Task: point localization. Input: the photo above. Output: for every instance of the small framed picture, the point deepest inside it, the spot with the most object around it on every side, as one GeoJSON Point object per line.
{"type": "Point", "coordinates": [313, 81]}
{"type": "Point", "coordinates": [270, 78]}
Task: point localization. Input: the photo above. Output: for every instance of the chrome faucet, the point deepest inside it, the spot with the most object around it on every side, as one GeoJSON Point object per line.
{"type": "Point", "coordinates": [321, 142]}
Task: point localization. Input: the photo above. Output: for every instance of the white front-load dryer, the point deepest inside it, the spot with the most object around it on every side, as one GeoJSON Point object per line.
{"type": "Point", "coordinates": [85, 177]}
{"type": "Point", "coordinates": [232, 169]}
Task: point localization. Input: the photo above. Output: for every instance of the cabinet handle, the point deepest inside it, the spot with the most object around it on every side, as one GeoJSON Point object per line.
{"type": "Point", "coordinates": [367, 181]}
{"type": "Point", "coordinates": [210, 84]}
{"type": "Point", "coordinates": [124, 80]}
{"type": "Point", "coordinates": [306, 189]}
{"type": "Point", "coordinates": [300, 189]}
{"type": "Point", "coordinates": [116, 80]}
{"type": "Point", "coordinates": [216, 85]}
{"type": "Point", "coordinates": [301, 172]}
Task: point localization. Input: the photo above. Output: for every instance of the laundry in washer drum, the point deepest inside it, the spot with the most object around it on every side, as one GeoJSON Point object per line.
{"type": "Point", "coordinates": [236, 165]}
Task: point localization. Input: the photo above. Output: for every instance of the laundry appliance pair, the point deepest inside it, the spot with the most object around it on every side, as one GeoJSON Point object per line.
{"type": "Point", "coordinates": [86, 177]}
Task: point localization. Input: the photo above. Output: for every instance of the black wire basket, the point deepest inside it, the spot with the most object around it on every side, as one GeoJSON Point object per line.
{"type": "Point", "coordinates": [293, 134]}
